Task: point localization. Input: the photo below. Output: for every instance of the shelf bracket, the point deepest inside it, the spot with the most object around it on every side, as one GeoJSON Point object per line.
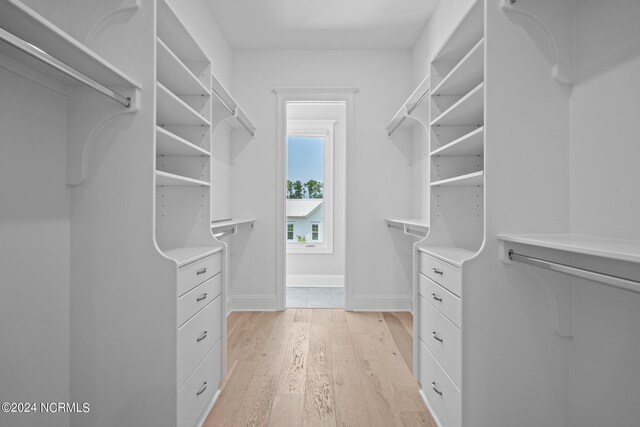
{"type": "Point", "coordinates": [127, 6]}
{"type": "Point", "coordinates": [559, 38]}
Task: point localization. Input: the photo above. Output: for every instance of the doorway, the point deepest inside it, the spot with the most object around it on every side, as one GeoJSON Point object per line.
{"type": "Point", "coordinates": [313, 145]}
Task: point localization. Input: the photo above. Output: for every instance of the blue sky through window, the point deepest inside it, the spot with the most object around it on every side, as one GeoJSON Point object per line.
{"type": "Point", "coordinates": [305, 158]}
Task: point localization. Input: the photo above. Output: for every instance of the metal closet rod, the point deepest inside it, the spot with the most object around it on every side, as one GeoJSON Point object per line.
{"type": "Point", "coordinates": [44, 57]}
{"type": "Point", "coordinates": [232, 111]}
{"type": "Point", "coordinates": [618, 282]}
{"type": "Point", "coordinates": [225, 233]}
{"type": "Point", "coordinates": [409, 111]}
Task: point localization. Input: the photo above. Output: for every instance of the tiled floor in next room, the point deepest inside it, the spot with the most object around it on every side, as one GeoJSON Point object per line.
{"type": "Point", "coordinates": [315, 297]}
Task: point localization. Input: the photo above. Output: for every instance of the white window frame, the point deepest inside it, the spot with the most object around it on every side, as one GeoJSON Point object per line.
{"type": "Point", "coordinates": [323, 129]}
{"type": "Point", "coordinates": [293, 230]}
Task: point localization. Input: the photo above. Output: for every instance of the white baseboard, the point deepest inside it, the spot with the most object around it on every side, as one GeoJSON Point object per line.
{"type": "Point", "coordinates": [315, 281]}
{"type": "Point", "coordinates": [252, 303]}
{"type": "Point", "coordinates": [382, 303]}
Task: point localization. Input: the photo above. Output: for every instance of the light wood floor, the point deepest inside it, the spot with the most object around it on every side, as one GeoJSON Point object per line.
{"type": "Point", "coordinates": [319, 367]}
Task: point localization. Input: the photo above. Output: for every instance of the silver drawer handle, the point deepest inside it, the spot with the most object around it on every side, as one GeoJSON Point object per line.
{"type": "Point", "coordinates": [201, 271]}
{"type": "Point", "coordinates": [437, 271]}
{"type": "Point", "coordinates": [201, 297]}
{"type": "Point", "coordinates": [433, 386]}
{"type": "Point", "coordinates": [436, 337]}
{"type": "Point", "coordinates": [435, 297]}
{"type": "Point", "coordinates": [204, 387]}
{"type": "Point", "coordinates": [203, 336]}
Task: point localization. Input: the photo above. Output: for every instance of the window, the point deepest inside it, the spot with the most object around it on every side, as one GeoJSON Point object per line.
{"type": "Point", "coordinates": [309, 173]}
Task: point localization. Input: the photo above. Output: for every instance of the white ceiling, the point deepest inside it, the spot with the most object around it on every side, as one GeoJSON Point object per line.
{"type": "Point", "coordinates": [322, 24]}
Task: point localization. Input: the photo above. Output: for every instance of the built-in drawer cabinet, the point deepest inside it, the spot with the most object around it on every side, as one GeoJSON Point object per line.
{"type": "Point", "coordinates": [197, 298]}
{"type": "Point", "coordinates": [441, 393]}
{"type": "Point", "coordinates": [197, 272]}
{"type": "Point", "coordinates": [446, 302]}
{"type": "Point", "coordinates": [445, 274]}
{"type": "Point", "coordinates": [200, 388]}
{"type": "Point", "coordinates": [196, 337]}
{"type": "Point", "coordinates": [442, 338]}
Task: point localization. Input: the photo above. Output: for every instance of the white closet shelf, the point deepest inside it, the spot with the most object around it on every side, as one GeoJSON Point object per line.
{"type": "Point", "coordinates": [172, 110]}
{"type": "Point", "coordinates": [169, 144]}
{"type": "Point", "coordinates": [452, 255]}
{"type": "Point", "coordinates": [471, 144]}
{"type": "Point", "coordinates": [216, 225]}
{"type": "Point", "coordinates": [464, 36]}
{"type": "Point", "coordinates": [188, 255]}
{"type": "Point", "coordinates": [166, 179]}
{"type": "Point", "coordinates": [466, 75]}
{"type": "Point", "coordinates": [25, 23]}
{"type": "Point", "coordinates": [468, 111]}
{"type": "Point", "coordinates": [419, 227]}
{"type": "Point", "coordinates": [602, 247]}
{"type": "Point", "coordinates": [470, 179]}
{"type": "Point", "coordinates": [222, 97]}
{"type": "Point", "coordinates": [172, 31]}
{"type": "Point", "coordinates": [415, 99]}
{"type": "Point", "coordinates": [175, 75]}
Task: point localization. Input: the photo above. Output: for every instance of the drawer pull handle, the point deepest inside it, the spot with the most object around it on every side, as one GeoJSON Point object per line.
{"type": "Point", "coordinates": [201, 271]}
{"type": "Point", "coordinates": [433, 386]}
{"type": "Point", "coordinates": [203, 336]}
{"type": "Point", "coordinates": [436, 337]}
{"type": "Point", "coordinates": [204, 387]}
{"type": "Point", "coordinates": [437, 271]}
{"type": "Point", "coordinates": [436, 297]}
{"type": "Point", "coordinates": [201, 297]}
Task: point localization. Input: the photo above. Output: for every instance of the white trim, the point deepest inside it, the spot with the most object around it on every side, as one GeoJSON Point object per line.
{"type": "Point", "coordinates": [381, 303]}
{"type": "Point", "coordinates": [311, 95]}
{"type": "Point", "coordinates": [252, 303]}
{"type": "Point", "coordinates": [315, 281]}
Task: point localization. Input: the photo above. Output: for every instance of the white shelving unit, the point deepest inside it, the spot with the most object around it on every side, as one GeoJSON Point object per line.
{"type": "Point", "coordinates": [470, 144]}
{"type": "Point", "coordinates": [474, 179]}
{"type": "Point", "coordinates": [173, 110]}
{"type": "Point", "coordinates": [411, 227]}
{"type": "Point", "coordinates": [169, 179]}
{"type": "Point", "coordinates": [169, 144]}
{"type": "Point", "coordinates": [232, 226]}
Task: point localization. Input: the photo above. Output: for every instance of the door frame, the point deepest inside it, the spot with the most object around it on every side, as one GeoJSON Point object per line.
{"type": "Point", "coordinates": [285, 95]}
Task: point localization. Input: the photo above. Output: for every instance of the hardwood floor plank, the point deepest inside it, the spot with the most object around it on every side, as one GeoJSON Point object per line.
{"type": "Point", "coordinates": [340, 334]}
{"type": "Point", "coordinates": [232, 396]}
{"type": "Point", "coordinates": [294, 369]}
{"type": "Point", "coordinates": [379, 396]}
{"type": "Point", "coordinates": [256, 407]}
{"type": "Point", "coordinates": [365, 347]}
{"type": "Point", "coordinates": [319, 400]}
{"type": "Point", "coordinates": [407, 320]}
{"type": "Point", "coordinates": [286, 411]}
{"type": "Point", "coordinates": [402, 338]}
{"type": "Point", "coordinates": [320, 316]}
{"type": "Point", "coordinates": [302, 315]}
{"type": "Point", "coordinates": [417, 419]}
{"type": "Point", "coordinates": [337, 315]}
{"type": "Point", "coordinates": [350, 405]}
{"type": "Point", "coordinates": [357, 322]}
{"type": "Point", "coordinates": [271, 357]}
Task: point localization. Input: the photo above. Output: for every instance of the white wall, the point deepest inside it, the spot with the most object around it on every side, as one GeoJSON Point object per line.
{"type": "Point", "coordinates": [377, 174]}
{"type": "Point", "coordinates": [605, 185]}
{"type": "Point", "coordinates": [34, 244]}
{"type": "Point", "coordinates": [332, 264]}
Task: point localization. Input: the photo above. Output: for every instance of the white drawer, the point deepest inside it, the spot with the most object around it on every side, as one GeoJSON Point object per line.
{"type": "Point", "coordinates": [442, 338]}
{"type": "Point", "coordinates": [191, 275]}
{"type": "Point", "coordinates": [196, 337]}
{"type": "Point", "coordinates": [444, 398]}
{"type": "Point", "coordinates": [443, 273]}
{"type": "Point", "coordinates": [198, 297]}
{"type": "Point", "coordinates": [200, 388]}
{"type": "Point", "coordinates": [446, 302]}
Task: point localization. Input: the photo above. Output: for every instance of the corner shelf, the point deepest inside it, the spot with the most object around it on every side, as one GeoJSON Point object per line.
{"type": "Point", "coordinates": [25, 23]}
{"type": "Point", "coordinates": [466, 75]}
{"type": "Point", "coordinates": [471, 179]}
{"type": "Point", "coordinates": [175, 75]}
{"type": "Point", "coordinates": [171, 110]}
{"type": "Point", "coordinates": [166, 179]}
{"type": "Point", "coordinates": [468, 111]}
{"type": "Point", "coordinates": [169, 144]}
{"type": "Point", "coordinates": [471, 144]}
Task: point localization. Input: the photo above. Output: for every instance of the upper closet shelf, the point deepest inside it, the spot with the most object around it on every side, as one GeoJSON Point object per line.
{"type": "Point", "coordinates": [31, 39]}
{"type": "Point", "coordinates": [176, 36]}
{"type": "Point", "coordinates": [471, 144]}
{"type": "Point", "coordinates": [225, 100]}
{"type": "Point", "coordinates": [231, 226]}
{"type": "Point", "coordinates": [471, 179]}
{"type": "Point", "coordinates": [169, 144]}
{"type": "Point", "coordinates": [414, 227]}
{"type": "Point", "coordinates": [172, 110]}
{"type": "Point", "coordinates": [464, 37]}
{"type": "Point", "coordinates": [468, 111]}
{"type": "Point", "coordinates": [409, 106]}
{"type": "Point", "coordinates": [175, 75]}
{"type": "Point", "coordinates": [166, 179]}
{"type": "Point", "coordinates": [466, 75]}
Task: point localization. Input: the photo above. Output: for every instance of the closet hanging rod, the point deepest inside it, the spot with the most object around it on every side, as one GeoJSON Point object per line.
{"type": "Point", "coordinates": [225, 233]}
{"type": "Point", "coordinates": [232, 112]}
{"type": "Point", "coordinates": [397, 227]}
{"type": "Point", "coordinates": [608, 279]}
{"type": "Point", "coordinates": [52, 62]}
{"type": "Point", "coordinates": [409, 111]}
{"type": "Point", "coordinates": [244, 125]}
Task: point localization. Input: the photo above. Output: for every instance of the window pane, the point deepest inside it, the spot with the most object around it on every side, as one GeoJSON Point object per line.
{"type": "Point", "coordinates": [305, 182]}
